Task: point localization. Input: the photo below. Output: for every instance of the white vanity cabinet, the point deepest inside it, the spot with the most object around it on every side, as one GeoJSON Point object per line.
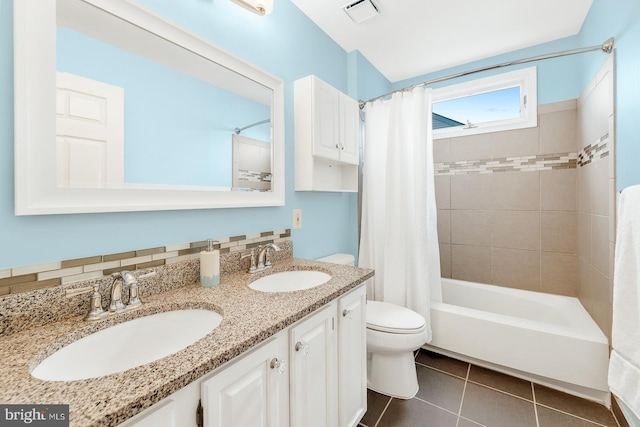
{"type": "Point", "coordinates": [312, 345]}
{"type": "Point", "coordinates": [327, 137]}
{"type": "Point", "coordinates": [352, 357]}
{"type": "Point", "coordinates": [311, 374]}
{"type": "Point", "coordinates": [251, 392]}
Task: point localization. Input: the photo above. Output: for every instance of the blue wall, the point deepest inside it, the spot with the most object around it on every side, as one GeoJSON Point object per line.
{"type": "Point", "coordinates": [620, 19]}
{"type": "Point", "coordinates": [285, 43]}
{"type": "Point", "coordinates": [177, 128]}
{"type": "Point", "coordinates": [557, 78]}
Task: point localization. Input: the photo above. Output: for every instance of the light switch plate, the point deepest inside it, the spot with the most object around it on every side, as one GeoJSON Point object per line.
{"type": "Point", "coordinates": [297, 219]}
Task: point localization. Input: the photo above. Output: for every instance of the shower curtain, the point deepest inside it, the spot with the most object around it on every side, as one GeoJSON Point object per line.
{"type": "Point", "coordinates": [399, 236]}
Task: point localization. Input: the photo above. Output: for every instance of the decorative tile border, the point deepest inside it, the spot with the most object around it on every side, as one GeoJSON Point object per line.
{"type": "Point", "coordinates": [598, 150]}
{"type": "Point", "coordinates": [32, 277]}
{"type": "Point", "coordinates": [509, 164]}
{"type": "Point", "coordinates": [254, 176]}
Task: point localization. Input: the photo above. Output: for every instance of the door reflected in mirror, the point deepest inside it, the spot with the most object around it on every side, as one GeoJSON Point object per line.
{"type": "Point", "coordinates": [133, 114]}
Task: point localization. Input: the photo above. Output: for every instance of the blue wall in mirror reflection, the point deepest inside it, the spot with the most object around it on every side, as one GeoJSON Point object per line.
{"type": "Point", "coordinates": [177, 128]}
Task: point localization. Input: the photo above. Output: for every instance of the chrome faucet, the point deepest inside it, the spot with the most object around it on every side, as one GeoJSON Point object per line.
{"type": "Point", "coordinates": [129, 279]}
{"type": "Point", "coordinates": [118, 282]}
{"type": "Point", "coordinates": [116, 305]}
{"type": "Point", "coordinates": [260, 259]}
{"type": "Point", "coordinates": [263, 255]}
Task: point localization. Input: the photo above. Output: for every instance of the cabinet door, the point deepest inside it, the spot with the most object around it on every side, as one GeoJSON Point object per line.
{"type": "Point", "coordinates": [349, 130]}
{"type": "Point", "coordinates": [313, 370]}
{"type": "Point", "coordinates": [326, 107]}
{"type": "Point", "coordinates": [161, 415]}
{"type": "Point", "coordinates": [352, 357]}
{"type": "Point", "coordinates": [253, 392]}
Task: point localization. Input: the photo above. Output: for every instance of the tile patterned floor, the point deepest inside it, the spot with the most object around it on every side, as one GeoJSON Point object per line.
{"type": "Point", "coordinates": [456, 394]}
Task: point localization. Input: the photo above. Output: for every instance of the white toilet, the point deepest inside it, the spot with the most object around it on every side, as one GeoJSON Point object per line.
{"type": "Point", "coordinates": [393, 334]}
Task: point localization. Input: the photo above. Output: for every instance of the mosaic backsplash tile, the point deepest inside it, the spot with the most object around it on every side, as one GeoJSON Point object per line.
{"type": "Point", "coordinates": [29, 278]}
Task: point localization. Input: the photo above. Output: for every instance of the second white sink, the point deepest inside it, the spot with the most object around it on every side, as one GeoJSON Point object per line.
{"type": "Point", "coordinates": [127, 345]}
{"type": "Point", "coordinates": [289, 281]}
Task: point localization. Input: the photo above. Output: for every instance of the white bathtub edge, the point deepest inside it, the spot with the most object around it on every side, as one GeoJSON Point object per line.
{"type": "Point", "coordinates": [599, 396]}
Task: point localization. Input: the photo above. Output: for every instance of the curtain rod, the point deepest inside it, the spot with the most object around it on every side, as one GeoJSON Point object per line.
{"type": "Point", "coordinates": [261, 122]}
{"type": "Point", "coordinates": [606, 47]}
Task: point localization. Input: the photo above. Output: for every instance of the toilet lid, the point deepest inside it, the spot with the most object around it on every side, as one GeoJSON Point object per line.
{"type": "Point", "coordinates": [386, 317]}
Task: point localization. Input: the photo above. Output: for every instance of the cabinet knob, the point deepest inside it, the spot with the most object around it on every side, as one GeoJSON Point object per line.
{"type": "Point", "coordinates": [337, 145]}
{"type": "Point", "coordinates": [279, 365]}
{"type": "Point", "coordinates": [302, 347]}
{"type": "Point", "coordinates": [347, 313]}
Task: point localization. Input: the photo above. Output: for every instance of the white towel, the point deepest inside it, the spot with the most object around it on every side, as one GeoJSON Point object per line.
{"type": "Point", "coordinates": [624, 367]}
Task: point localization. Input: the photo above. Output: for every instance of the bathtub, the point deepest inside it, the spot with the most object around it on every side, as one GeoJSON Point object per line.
{"type": "Point", "coordinates": [548, 339]}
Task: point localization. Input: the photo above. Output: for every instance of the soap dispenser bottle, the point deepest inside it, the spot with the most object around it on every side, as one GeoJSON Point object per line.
{"type": "Point", "coordinates": [210, 265]}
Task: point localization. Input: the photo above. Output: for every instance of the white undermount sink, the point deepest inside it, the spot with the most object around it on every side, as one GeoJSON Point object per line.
{"type": "Point", "coordinates": [289, 281]}
{"type": "Point", "coordinates": [128, 345]}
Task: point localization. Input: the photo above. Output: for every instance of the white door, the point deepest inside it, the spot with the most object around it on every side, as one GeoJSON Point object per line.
{"type": "Point", "coordinates": [90, 133]}
{"type": "Point", "coordinates": [253, 392]}
{"type": "Point", "coordinates": [349, 130]}
{"type": "Point", "coordinates": [313, 371]}
{"type": "Point", "coordinates": [352, 357]}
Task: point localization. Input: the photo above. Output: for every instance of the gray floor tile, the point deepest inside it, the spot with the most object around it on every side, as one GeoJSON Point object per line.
{"type": "Point", "coordinates": [413, 413]}
{"type": "Point", "coordinates": [441, 389]}
{"type": "Point", "coordinates": [496, 409]}
{"type": "Point", "coordinates": [501, 382]}
{"type": "Point", "coordinates": [376, 403]}
{"type": "Point", "coordinates": [443, 363]}
{"type": "Point", "coordinates": [574, 405]}
{"type": "Point", "coordinates": [463, 422]}
{"type": "Point", "coordinates": [548, 417]}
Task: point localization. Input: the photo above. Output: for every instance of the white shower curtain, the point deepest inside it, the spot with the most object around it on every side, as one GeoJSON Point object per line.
{"type": "Point", "coordinates": [399, 236]}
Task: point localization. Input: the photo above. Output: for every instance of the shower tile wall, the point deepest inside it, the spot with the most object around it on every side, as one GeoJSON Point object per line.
{"type": "Point", "coordinates": [596, 196]}
{"type": "Point", "coordinates": [507, 204]}
{"type": "Point", "coordinates": [534, 208]}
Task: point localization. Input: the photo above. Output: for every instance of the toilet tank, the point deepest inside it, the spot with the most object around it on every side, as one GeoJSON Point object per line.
{"type": "Point", "coordinates": [344, 259]}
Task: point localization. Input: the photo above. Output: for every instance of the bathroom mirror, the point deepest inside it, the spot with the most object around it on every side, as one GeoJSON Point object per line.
{"type": "Point", "coordinates": [119, 109]}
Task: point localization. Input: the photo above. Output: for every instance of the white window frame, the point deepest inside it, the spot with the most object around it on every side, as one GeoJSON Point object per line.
{"type": "Point", "coordinates": [525, 78]}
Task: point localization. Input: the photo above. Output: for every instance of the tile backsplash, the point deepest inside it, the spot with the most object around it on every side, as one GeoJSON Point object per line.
{"type": "Point", "coordinates": [32, 277]}
{"type": "Point", "coordinates": [36, 304]}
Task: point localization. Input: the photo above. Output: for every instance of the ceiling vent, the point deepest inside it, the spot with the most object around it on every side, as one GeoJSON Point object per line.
{"type": "Point", "coordinates": [361, 10]}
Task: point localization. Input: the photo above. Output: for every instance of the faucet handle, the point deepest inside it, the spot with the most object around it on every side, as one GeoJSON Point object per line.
{"type": "Point", "coordinates": [252, 254]}
{"type": "Point", "coordinates": [96, 311]}
{"type": "Point", "coordinates": [134, 295]}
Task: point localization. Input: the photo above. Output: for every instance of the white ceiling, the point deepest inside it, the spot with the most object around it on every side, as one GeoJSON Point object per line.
{"type": "Point", "coordinates": [414, 37]}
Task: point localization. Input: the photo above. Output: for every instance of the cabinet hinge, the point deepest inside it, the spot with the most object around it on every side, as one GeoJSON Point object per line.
{"type": "Point", "coordinates": [200, 415]}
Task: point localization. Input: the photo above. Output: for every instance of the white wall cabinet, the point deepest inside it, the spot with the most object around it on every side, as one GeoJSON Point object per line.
{"type": "Point", "coordinates": [312, 374]}
{"type": "Point", "coordinates": [327, 137]}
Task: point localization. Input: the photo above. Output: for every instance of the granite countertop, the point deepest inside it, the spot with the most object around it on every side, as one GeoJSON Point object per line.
{"type": "Point", "coordinates": [249, 317]}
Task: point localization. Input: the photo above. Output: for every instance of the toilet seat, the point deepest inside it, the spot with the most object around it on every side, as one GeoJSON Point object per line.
{"type": "Point", "coordinates": [392, 318]}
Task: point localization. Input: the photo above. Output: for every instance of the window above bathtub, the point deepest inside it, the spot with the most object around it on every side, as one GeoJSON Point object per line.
{"type": "Point", "coordinates": [500, 102]}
